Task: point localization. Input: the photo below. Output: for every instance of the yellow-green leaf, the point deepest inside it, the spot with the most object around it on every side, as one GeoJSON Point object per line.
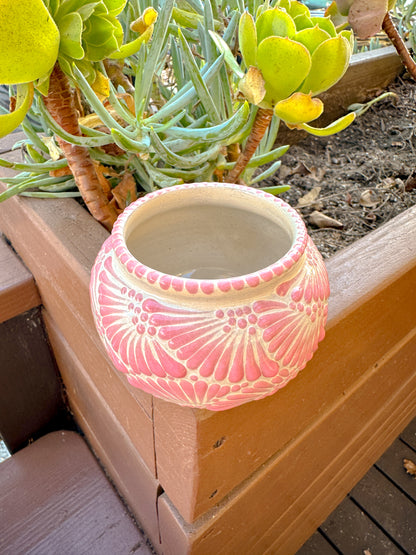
{"type": "Point", "coordinates": [24, 97]}
{"type": "Point", "coordinates": [284, 65]}
{"type": "Point", "coordinates": [326, 24]}
{"type": "Point", "coordinates": [296, 9]}
{"type": "Point", "coordinates": [275, 22]}
{"type": "Point", "coordinates": [29, 41]}
{"type": "Point", "coordinates": [303, 22]}
{"type": "Point", "coordinates": [312, 37]}
{"type": "Point", "coordinates": [299, 108]}
{"type": "Point", "coordinates": [247, 38]}
{"type": "Point", "coordinates": [252, 86]}
{"type": "Point", "coordinates": [335, 127]}
{"type": "Point", "coordinates": [132, 47]}
{"type": "Point", "coordinates": [329, 63]}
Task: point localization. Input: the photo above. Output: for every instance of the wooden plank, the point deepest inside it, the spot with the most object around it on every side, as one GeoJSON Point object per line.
{"type": "Point", "coordinates": [378, 263]}
{"type": "Point", "coordinates": [391, 464]}
{"type": "Point", "coordinates": [194, 448]}
{"type": "Point", "coordinates": [54, 498]}
{"type": "Point", "coordinates": [18, 292]}
{"type": "Point", "coordinates": [137, 423]}
{"type": "Point", "coordinates": [317, 545]}
{"type": "Point", "coordinates": [389, 507]}
{"type": "Point", "coordinates": [65, 233]}
{"type": "Point", "coordinates": [30, 390]}
{"type": "Point", "coordinates": [352, 531]}
{"type": "Point", "coordinates": [409, 435]}
{"type": "Point", "coordinates": [83, 391]}
{"type": "Point", "coordinates": [282, 504]}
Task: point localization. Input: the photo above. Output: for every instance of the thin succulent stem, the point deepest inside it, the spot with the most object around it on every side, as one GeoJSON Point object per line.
{"type": "Point", "coordinates": [391, 31]}
{"type": "Point", "coordinates": [260, 125]}
{"type": "Point", "coordinates": [60, 104]}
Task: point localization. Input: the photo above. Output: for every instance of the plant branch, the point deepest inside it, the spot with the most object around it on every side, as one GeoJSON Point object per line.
{"type": "Point", "coordinates": [390, 29]}
{"type": "Point", "coordinates": [260, 125]}
{"type": "Point", "coordinates": [60, 104]}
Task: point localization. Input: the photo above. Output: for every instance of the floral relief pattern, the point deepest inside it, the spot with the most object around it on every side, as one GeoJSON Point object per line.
{"type": "Point", "coordinates": [215, 359]}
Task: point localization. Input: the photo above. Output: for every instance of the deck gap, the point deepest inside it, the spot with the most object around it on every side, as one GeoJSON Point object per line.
{"type": "Point", "coordinates": [376, 523]}
{"type": "Point", "coordinates": [395, 484]}
{"type": "Point", "coordinates": [328, 539]}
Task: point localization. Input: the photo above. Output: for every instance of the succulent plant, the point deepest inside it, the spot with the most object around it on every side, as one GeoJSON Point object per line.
{"type": "Point", "coordinates": [291, 57]}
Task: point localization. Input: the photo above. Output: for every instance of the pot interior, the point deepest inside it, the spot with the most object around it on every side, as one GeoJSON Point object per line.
{"type": "Point", "coordinates": [209, 233]}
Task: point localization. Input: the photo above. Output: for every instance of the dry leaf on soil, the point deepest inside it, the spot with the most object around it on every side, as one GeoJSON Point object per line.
{"type": "Point", "coordinates": [322, 220]}
{"type": "Point", "coordinates": [369, 198]}
{"type": "Point", "coordinates": [310, 197]}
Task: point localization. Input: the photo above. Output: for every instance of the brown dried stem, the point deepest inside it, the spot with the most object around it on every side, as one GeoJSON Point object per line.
{"type": "Point", "coordinates": [390, 29]}
{"type": "Point", "coordinates": [60, 104]}
{"type": "Point", "coordinates": [260, 125]}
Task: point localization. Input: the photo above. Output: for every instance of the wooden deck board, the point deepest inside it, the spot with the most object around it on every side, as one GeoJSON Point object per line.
{"type": "Point", "coordinates": [391, 509]}
{"type": "Point", "coordinates": [317, 545]}
{"type": "Point", "coordinates": [352, 531]}
{"type": "Point", "coordinates": [409, 435]}
{"type": "Point", "coordinates": [379, 515]}
{"type": "Point", "coordinates": [391, 464]}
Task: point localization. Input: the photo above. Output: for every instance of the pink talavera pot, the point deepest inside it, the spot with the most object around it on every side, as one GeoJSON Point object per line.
{"type": "Point", "coordinates": [209, 295]}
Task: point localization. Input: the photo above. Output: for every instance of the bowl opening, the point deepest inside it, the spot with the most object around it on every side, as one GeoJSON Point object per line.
{"type": "Point", "coordinates": [209, 232]}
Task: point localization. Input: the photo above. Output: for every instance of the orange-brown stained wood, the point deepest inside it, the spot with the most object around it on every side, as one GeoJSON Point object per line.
{"type": "Point", "coordinates": [110, 440]}
{"type": "Point", "coordinates": [18, 292]}
{"type": "Point", "coordinates": [276, 510]}
{"type": "Point", "coordinates": [59, 242]}
{"type": "Point", "coordinates": [368, 279]}
{"type": "Point", "coordinates": [372, 307]}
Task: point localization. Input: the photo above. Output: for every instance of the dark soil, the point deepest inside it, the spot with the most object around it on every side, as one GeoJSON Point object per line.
{"type": "Point", "coordinates": [361, 172]}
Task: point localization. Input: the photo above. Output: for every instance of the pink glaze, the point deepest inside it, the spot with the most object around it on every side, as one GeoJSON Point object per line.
{"type": "Point", "coordinates": [219, 352]}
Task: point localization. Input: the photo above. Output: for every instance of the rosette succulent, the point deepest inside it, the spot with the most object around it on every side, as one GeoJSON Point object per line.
{"type": "Point", "coordinates": [290, 58]}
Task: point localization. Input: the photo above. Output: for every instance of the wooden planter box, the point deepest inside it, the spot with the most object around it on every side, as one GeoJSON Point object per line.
{"type": "Point", "coordinates": [261, 477]}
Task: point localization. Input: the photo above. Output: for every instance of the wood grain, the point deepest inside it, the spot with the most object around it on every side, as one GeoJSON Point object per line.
{"type": "Point", "coordinates": [409, 435]}
{"type": "Point", "coordinates": [317, 545]}
{"type": "Point", "coordinates": [390, 508]}
{"type": "Point", "coordinates": [352, 531]}
{"type": "Point", "coordinates": [110, 440]}
{"type": "Point", "coordinates": [31, 399]}
{"type": "Point", "coordinates": [54, 498]}
{"type": "Point", "coordinates": [277, 509]}
{"type": "Point", "coordinates": [391, 465]}
{"type": "Point", "coordinates": [18, 292]}
{"type": "Point", "coordinates": [187, 440]}
{"type": "Point", "coordinates": [59, 242]}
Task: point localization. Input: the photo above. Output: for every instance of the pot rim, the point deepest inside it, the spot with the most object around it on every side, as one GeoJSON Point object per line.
{"type": "Point", "coordinates": [165, 281]}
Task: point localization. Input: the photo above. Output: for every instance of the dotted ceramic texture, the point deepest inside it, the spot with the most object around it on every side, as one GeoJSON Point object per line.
{"type": "Point", "coordinates": [217, 358]}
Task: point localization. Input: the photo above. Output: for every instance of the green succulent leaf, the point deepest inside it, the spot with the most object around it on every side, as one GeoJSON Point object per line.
{"type": "Point", "coordinates": [224, 49]}
{"type": "Point", "coordinates": [284, 64]}
{"type": "Point", "coordinates": [24, 97]}
{"type": "Point", "coordinates": [115, 7]}
{"type": "Point", "coordinates": [299, 108]}
{"type": "Point", "coordinates": [303, 22]}
{"type": "Point", "coordinates": [297, 9]}
{"type": "Point", "coordinates": [329, 63]}
{"type": "Point", "coordinates": [275, 22]}
{"type": "Point", "coordinates": [132, 47]}
{"type": "Point", "coordinates": [312, 37]}
{"type": "Point", "coordinates": [335, 127]}
{"type": "Point", "coordinates": [247, 38]}
{"type": "Point", "coordinates": [326, 24]}
{"type": "Point", "coordinates": [29, 41]}
{"type": "Point", "coordinates": [70, 28]}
